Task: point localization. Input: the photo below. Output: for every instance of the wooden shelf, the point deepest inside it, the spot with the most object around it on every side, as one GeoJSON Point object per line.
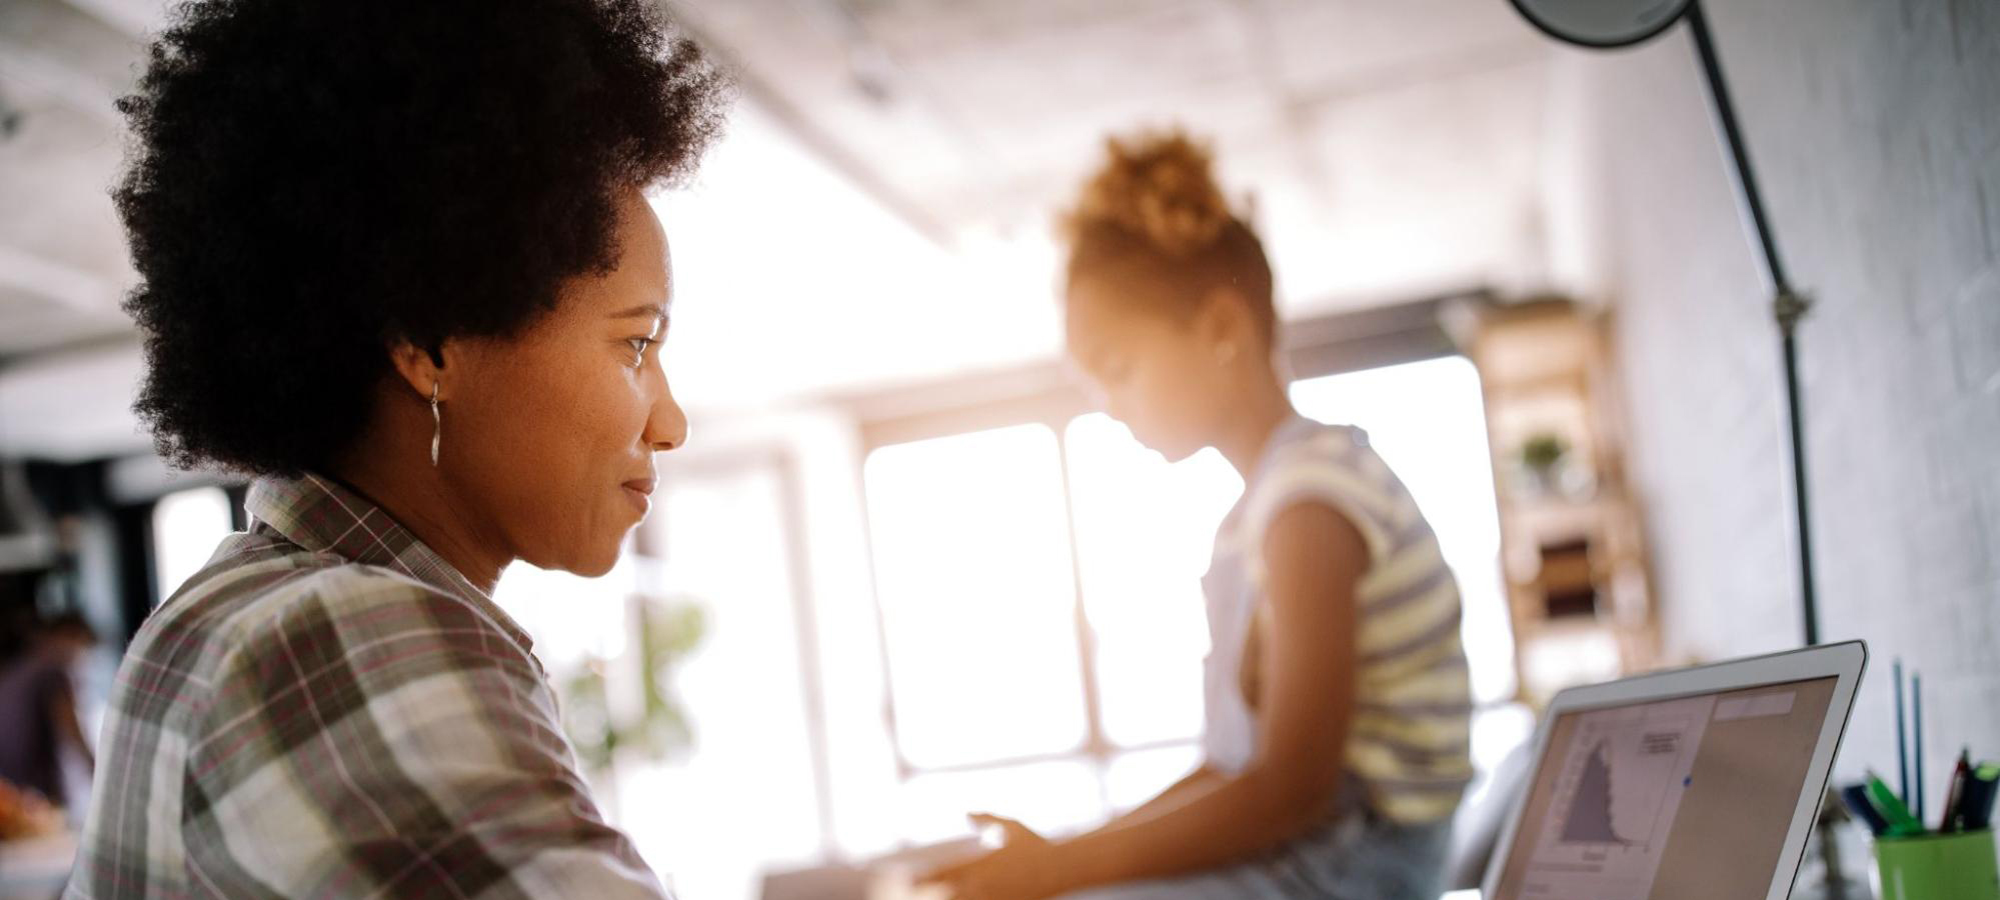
{"type": "Point", "coordinates": [1572, 545]}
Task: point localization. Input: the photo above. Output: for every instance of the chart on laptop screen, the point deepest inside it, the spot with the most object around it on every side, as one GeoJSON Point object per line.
{"type": "Point", "coordinates": [1619, 786]}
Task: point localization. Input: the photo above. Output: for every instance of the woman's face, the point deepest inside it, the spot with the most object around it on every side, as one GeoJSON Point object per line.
{"type": "Point", "coordinates": [1156, 374]}
{"type": "Point", "coordinates": [551, 433]}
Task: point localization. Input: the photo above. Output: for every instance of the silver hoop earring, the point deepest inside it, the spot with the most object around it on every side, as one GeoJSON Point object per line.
{"type": "Point", "coordinates": [437, 425]}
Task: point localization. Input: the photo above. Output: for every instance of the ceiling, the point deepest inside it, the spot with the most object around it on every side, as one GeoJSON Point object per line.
{"type": "Point", "coordinates": [1386, 149]}
{"type": "Point", "coordinates": [984, 113]}
{"type": "Point", "coordinates": [62, 258]}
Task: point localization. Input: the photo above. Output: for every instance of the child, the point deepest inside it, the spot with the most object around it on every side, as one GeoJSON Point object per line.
{"type": "Point", "coordinates": [1336, 693]}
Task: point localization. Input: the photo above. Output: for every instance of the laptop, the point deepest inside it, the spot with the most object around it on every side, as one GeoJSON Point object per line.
{"type": "Point", "coordinates": [1688, 785]}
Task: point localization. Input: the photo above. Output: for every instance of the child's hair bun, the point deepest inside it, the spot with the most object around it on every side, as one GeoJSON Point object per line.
{"type": "Point", "coordinates": [1158, 187]}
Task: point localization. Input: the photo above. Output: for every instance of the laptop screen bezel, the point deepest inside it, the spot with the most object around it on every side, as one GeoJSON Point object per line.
{"type": "Point", "coordinates": [1844, 661]}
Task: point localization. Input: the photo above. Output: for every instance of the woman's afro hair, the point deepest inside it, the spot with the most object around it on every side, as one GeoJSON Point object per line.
{"type": "Point", "coordinates": [312, 180]}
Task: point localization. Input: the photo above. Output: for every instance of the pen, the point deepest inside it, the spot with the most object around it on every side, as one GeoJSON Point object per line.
{"type": "Point", "coordinates": [1954, 794]}
{"type": "Point", "coordinates": [1978, 801]}
{"type": "Point", "coordinates": [1856, 798]}
{"type": "Point", "coordinates": [1917, 745]}
{"type": "Point", "coordinates": [1916, 800]}
{"type": "Point", "coordinates": [1892, 810]}
{"type": "Point", "coordinates": [1902, 740]}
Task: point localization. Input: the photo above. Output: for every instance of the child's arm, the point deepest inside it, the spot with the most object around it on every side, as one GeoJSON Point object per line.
{"type": "Point", "coordinates": [1192, 785]}
{"type": "Point", "coordinates": [1314, 557]}
{"type": "Point", "coordinates": [1180, 793]}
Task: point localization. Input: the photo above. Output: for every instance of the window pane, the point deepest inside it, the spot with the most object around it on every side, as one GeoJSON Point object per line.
{"type": "Point", "coordinates": [750, 770]}
{"type": "Point", "coordinates": [1143, 531]}
{"type": "Point", "coordinates": [1141, 775]}
{"type": "Point", "coordinates": [186, 527]}
{"type": "Point", "coordinates": [973, 572]}
{"type": "Point", "coordinates": [1428, 421]}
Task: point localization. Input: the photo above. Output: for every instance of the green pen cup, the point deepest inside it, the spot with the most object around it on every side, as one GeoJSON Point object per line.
{"type": "Point", "coordinates": [1937, 867]}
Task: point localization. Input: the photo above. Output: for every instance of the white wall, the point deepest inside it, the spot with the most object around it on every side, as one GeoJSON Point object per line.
{"type": "Point", "coordinates": [1875, 127]}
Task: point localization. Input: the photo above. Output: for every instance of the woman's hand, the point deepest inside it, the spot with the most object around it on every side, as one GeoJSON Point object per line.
{"type": "Point", "coordinates": [1022, 869]}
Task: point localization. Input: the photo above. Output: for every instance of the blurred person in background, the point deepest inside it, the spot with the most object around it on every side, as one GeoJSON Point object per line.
{"type": "Point", "coordinates": [1337, 702]}
{"type": "Point", "coordinates": [395, 261]}
{"type": "Point", "coordinates": [39, 726]}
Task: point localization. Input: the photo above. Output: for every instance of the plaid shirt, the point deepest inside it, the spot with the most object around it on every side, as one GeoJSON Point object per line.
{"type": "Point", "coordinates": [328, 709]}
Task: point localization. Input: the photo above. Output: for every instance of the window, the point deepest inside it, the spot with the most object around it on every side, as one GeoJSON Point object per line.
{"type": "Point", "coordinates": [749, 767]}
{"type": "Point", "coordinates": [1143, 533]}
{"type": "Point", "coordinates": [1007, 693]}
{"type": "Point", "coordinates": [186, 527]}
{"type": "Point", "coordinates": [978, 597]}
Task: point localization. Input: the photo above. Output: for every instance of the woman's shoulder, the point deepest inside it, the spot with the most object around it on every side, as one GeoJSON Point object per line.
{"type": "Point", "coordinates": [374, 630]}
{"type": "Point", "coordinates": [269, 600]}
{"type": "Point", "coordinates": [359, 599]}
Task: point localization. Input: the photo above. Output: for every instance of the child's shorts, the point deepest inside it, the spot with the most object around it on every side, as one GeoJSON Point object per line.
{"type": "Point", "coordinates": [1356, 855]}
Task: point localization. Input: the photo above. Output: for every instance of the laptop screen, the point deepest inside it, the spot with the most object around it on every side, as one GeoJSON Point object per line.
{"type": "Point", "coordinates": [1667, 799]}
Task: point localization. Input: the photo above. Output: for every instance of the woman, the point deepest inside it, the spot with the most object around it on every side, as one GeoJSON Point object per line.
{"type": "Point", "coordinates": [395, 260]}
{"type": "Point", "coordinates": [1337, 701]}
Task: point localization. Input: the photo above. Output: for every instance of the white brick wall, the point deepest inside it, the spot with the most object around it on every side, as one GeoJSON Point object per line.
{"type": "Point", "coordinates": [1875, 129]}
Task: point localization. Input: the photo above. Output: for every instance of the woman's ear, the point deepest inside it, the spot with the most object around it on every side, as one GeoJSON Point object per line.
{"type": "Point", "coordinates": [422, 368]}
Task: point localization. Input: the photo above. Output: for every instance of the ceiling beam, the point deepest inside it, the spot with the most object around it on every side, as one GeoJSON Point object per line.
{"type": "Point", "coordinates": [1465, 62]}
{"type": "Point", "coordinates": [133, 18]}
{"type": "Point", "coordinates": [67, 285]}
{"type": "Point", "coordinates": [1263, 52]}
{"type": "Point", "coordinates": [800, 126]}
{"type": "Point", "coordinates": [70, 86]}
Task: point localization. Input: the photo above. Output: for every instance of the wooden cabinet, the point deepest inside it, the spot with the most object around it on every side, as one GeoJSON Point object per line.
{"type": "Point", "coordinates": [1573, 550]}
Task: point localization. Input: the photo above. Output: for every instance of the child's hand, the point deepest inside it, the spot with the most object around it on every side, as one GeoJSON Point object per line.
{"type": "Point", "coordinates": [1018, 871]}
{"type": "Point", "coordinates": [1013, 833]}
